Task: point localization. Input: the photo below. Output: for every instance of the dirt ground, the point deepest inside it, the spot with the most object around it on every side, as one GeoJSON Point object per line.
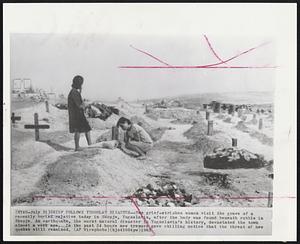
{"type": "Point", "coordinates": [50, 172]}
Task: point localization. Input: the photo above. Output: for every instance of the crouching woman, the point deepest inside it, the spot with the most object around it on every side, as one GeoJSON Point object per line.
{"type": "Point", "coordinates": [136, 138]}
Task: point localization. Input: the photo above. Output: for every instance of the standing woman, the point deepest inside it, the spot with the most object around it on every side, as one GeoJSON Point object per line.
{"type": "Point", "coordinates": [77, 121]}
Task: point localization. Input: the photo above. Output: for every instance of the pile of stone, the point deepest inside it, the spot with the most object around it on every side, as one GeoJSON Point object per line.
{"type": "Point", "coordinates": [233, 158]}
{"type": "Point", "coordinates": [168, 195]}
{"type": "Point", "coordinates": [101, 111]}
{"type": "Point", "coordinates": [218, 179]}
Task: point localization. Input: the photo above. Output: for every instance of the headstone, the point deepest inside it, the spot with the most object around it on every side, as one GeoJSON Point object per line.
{"type": "Point", "coordinates": [224, 106]}
{"type": "Point", "coordinates": [210, 127]}
{"type": "Point", "coordinates": [234, 142]}
{"type": "Point", "coordinates": [207, 115]}
{"type": "Point", "coordinates": [14, 118]}
{"type": "Point", "coordinates": [146, 108]}
{"type": "Point", "coordinates": [115, 133]}
{"type": "Point", "coordinates": [217, 108]}
{"type": "Point", "coordinates": [36, 126]}
{"type": "Point", "coordinates": [47, 106]}
{"type": "Point", "coordinates": [270, 199]}
{"type": "Point", "coordinates": [260, 124]}
{"type": "Point", "coordinates": [231, 109]}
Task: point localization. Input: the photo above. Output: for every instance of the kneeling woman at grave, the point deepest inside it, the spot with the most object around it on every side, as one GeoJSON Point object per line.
{"type": "Point", "coordinates": [136, 138]}
{"type": "Point", "coordinates": [77, 120]}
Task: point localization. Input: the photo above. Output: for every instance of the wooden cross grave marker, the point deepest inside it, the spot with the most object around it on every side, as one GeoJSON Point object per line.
{"type": "Point", "coordinates": [36, 126]}
{"type": "Point", "coordinates": [14, 118]}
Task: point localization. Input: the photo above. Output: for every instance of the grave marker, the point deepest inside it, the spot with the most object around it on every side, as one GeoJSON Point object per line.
{"type": "Point", "coordinates": [217, 107]}
{"type": "Point", "coordinates": [270, 199]}
{"type": "Point", "coordinates": [207, 115]}
{"type": "Point", "coordinates": [234, 142]}
{"type": "Point", "coordinates": [14, 118]}
{"type": "Point", "coordinates": [47, 106]}
{"type": "Point", "coordinates": [231, 109]}
{"type": "Point", "coordinates": [146, 109]}
{"type": "Point", "coordinates": [36, 126]}
{"type": "Point", "coordinates": [260, 124]}
{"type": "Point", "coordinates": [210, 127]}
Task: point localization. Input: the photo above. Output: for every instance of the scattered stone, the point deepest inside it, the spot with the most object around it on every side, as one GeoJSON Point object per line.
{"type": "Point", "coordinates": [150, 187]}
{"type": "Point", "coordinates": [170, 204]}
{"type": "Point", "coordinates": [151, 202]}
{"type": "Point", "coordinates": [168, 195]}
{"type": "Point", "coordinates": [193, 201]}
{"type": "Point", "coordinates": [187, 204]}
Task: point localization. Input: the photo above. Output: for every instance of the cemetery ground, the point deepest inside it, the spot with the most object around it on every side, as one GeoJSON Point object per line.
{"type": "Point", "coordinates": [50, 172]}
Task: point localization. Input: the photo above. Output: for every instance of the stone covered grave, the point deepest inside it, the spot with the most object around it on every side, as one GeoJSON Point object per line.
{"type": "Point", "coordinates": [233, 158]}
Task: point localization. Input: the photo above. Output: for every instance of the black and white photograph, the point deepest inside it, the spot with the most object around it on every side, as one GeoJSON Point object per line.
{"type": "Point", "coordinates": [194, 131]}
{"type": "Point", "coordinates": [149, 120]}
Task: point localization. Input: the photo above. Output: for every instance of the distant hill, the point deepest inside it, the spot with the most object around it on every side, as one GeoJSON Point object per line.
{"type": "Point", "coordinates": [193, 100]}
{"type": "Point", "coordinates": [226, 97]}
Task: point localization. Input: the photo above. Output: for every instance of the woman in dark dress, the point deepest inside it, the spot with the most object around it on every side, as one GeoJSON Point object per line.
{"type": "Point", "coordinates": [77, 121]}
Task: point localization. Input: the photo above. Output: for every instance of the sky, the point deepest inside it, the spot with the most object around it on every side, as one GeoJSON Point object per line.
{"type": "Point", "coordinates": [52, 60]}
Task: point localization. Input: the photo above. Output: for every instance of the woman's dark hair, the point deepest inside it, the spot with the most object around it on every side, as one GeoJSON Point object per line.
{"type": "Point", "coordinates": [123, 120]}
{"type": "Point", "coordinates": [77, 82]}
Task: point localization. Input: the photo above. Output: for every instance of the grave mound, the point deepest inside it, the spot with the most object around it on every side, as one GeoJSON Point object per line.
{"type": "Point", "coordinates": [233, 158]}
{"type": "Point", "coordinates": [70, 174]}
{"type": "Point", "coordinates": [207, 145]}
{"type": "Point", "coordinates": [172, 113]}
{"type": "Point", "coordinates": [242, 127]}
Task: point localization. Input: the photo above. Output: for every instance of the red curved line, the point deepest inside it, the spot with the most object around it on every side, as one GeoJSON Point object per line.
{"type": "Point", "coordinates": [211, 48]}
{"type": "Point", "coordinates": [196, 66]}
{"type": "Point", "coordinates": [142, 216]}
{"type": "Point", "coordinates": [242, 53]}
{"type": "Point", "coordinates": [148, 54]}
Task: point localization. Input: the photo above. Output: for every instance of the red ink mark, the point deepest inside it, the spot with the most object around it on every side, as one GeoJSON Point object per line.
{"type": "Point", "coordinates": [211, 48]}
{"type": "Point", "coordinates": [206, 66]}
{"type": "Point", "coordinates": [108, 197]}
{"type": "Point", "coordinates": [141, 214]}
{"type": "Point", "coordinates": [148, 54]}
{"type": "Point", "coordinates": [242, 53]}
